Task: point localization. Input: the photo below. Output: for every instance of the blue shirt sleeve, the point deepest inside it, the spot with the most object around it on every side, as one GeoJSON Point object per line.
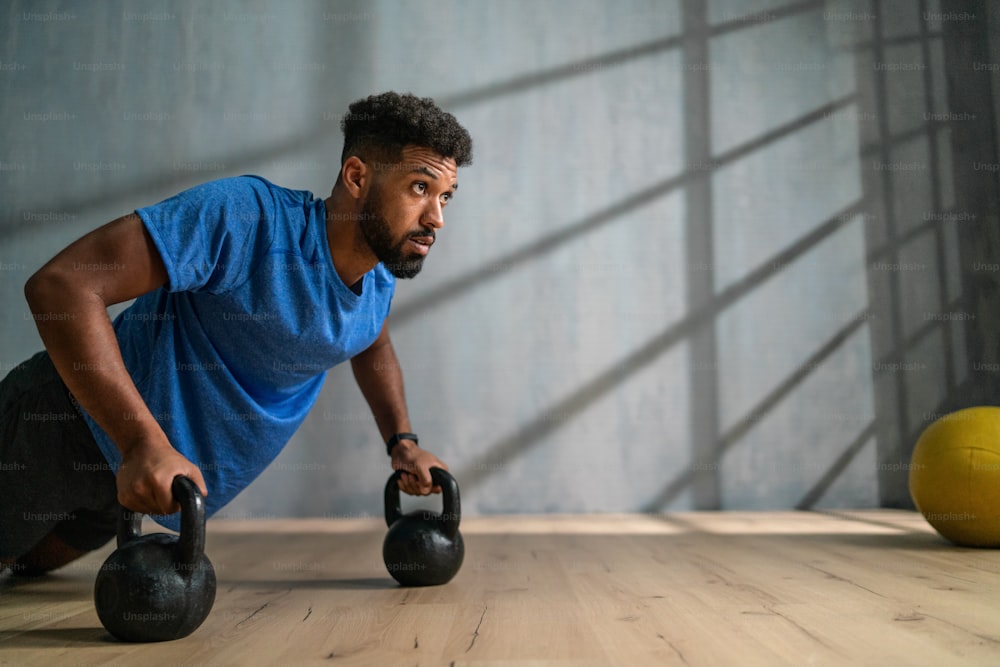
{"type": "Point", "coordinates": [209, 236]}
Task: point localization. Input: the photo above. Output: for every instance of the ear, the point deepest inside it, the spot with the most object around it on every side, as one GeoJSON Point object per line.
{"type": "Point", "coordinates": [355, 176]}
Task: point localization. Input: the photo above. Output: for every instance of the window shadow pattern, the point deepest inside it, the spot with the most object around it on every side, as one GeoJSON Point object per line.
{"type": "Point", "coordinates": [893, 234]}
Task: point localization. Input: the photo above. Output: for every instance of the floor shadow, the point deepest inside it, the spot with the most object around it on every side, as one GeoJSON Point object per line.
{"type": "Point", "coordinates": [900, 537]}
{"type": "Point", "coordinates": [55, 638]}
{"type": "Point", "coordinates": [909, 540]}
{"type": "Point", "coordinates": [48, 594]}
{"type": "Point", "coordinates": [344, 584]}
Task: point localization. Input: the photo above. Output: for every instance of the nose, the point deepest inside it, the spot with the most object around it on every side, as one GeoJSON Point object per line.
{"type": "Point", "coordinates": [434, 215]}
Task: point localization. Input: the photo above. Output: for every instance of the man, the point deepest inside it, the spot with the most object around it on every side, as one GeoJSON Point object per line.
{"type": "Point", "coordinates": [246, 293]}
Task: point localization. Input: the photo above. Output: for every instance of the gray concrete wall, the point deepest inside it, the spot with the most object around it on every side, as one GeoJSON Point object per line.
{"type": "Point", "coordinates": [710, 253]}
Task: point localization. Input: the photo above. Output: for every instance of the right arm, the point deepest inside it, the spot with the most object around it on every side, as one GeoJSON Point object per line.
{"type": "Point", "coordinates": [69, 297]}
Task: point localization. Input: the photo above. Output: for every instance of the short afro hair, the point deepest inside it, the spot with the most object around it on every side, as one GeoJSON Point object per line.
{"type": "Point", "coordinates": [387, 122]}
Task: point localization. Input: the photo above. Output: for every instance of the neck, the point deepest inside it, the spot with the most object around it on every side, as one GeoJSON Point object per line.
{"type": "Point", "coordinates": [352, 258]}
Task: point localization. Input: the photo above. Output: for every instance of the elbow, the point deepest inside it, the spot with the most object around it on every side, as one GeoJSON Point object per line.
{"type": "Point", "coordinates": [35, 288]}
{"type": "Point", "coordinates": [43, 288]}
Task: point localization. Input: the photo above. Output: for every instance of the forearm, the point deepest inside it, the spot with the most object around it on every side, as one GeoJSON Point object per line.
{"type": "Point", "coordinates": [79, 337]}
{"type": "Point", "coordinates": [381, 382]}
{"type": "Point", "coordinates": [380, 379]}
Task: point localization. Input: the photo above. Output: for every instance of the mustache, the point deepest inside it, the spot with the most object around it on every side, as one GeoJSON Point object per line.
{"type": "Point", "coordinates": [423, 234]}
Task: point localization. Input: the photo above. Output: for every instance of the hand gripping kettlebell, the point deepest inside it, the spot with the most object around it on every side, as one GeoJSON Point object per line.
{"type": "Point", "coordinates": [157, 587]}
{"type": "Point", "coordinates": [423, 548]}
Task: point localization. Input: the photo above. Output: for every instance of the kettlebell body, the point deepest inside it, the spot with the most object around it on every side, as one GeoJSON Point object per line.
{"type": "Point", "coordinates": [158, 587]}
{"type": "Point", "coordinates": [423, 548]}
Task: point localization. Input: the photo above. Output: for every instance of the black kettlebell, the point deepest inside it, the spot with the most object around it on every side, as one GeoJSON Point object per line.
{"type": "Point", "coordinates": [157, 587]}
{"type": "Point", "coordinates": [423, 548]}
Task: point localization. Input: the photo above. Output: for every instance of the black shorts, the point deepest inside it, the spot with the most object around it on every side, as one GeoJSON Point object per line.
{"type": "Point", "coordinates": [53, 476]}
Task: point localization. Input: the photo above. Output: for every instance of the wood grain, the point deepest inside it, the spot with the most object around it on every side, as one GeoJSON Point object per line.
{"type": "Point", "coordinates": [730, 588]}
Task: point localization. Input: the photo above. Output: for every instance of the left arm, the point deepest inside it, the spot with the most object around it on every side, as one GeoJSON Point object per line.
{"type": "Point", "coordinates": [380, 379]}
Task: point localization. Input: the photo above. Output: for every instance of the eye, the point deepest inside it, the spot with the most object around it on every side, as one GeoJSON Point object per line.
{"type": "Point", "coordinates": [446, 197]}
{"type": "Point", "coordinates": [419, 187]}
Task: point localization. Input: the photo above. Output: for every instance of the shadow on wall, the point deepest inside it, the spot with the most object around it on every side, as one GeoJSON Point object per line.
{"type": "Point", "coordinates": [911, 214]}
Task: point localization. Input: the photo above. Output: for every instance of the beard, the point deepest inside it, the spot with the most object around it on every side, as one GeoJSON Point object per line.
{"type": "Point", "coordinates": [377, 233]}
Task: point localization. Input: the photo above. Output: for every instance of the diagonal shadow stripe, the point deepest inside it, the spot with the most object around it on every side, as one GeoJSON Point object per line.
{"type": "Point", "coordinates": [813, 495]}
{"type": "Point", "coordinates": [452, 287]}
{"type": "Point", "coordinates": [763, 17]}
{"type": "Point", "coordinates": [587, 65]}
{"type": "Point", "coordinates": [674, 488]}
{"type": "Point", "coordinates": [467, 281]}
{"type": "Point", "coordinates": [894, 41]}
{"type": "Point", "coordinates": [789, 128]}
{"type": "Point", "coordinates": [127, 194]}
{"type": "Point", "coordinates": [563, 411]}
{"type": "Point", "coordinates": [552, 74]}
{"type": "Point", "coordinates": [914, 338]}
{"type": "Point", "coordinates": [754, 415]}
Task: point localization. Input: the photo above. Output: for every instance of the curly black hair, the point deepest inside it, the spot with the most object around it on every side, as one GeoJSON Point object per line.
{"type": "Point", "coordinates": [387, 122]}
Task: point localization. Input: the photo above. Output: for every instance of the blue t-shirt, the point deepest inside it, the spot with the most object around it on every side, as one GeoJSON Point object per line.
{"type": "Point", "coordinates": [231, 353]}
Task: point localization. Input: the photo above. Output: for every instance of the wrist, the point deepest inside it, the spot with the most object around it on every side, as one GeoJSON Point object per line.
{"type": "Point", "coordinates": [144, 443]}
{"type": "Point", "coordinates": [404, 440]}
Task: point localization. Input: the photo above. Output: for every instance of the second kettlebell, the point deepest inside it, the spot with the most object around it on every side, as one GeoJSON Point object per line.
{"type": "Point", "coordinates": [157, 587]}
{"type": "Point", "coordinates": [423, 548]}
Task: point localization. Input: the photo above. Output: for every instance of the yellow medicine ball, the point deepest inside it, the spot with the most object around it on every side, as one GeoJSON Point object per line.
{"type": "Point", "coordinates": [955, 476]}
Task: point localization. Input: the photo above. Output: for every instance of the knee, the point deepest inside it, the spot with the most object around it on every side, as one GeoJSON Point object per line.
{"type": "Point", "coordinates": [48, 555]}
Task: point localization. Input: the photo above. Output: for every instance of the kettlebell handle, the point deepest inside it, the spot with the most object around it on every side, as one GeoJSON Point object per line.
{"type": "Point", "coordinates": [452, 505]}
{"type": "Point", "coordinates": [192, 540]}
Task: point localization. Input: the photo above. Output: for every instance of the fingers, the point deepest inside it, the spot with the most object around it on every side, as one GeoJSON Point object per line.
{"type": "Point", "coordinates": [418, 483]}
{"type": "Point", "coordinates": [151, 491]}
{"type": "Point", "coordinates": [163, 496]}
{"type": "Point", "coordinates": [155, 497]}
{"type": "Point", "coordinates": [140, 498]}
{"type": "Point", "coordinates": [412, 484]}
{"type": "Point", "coordinates": [416, 464]}
{"type": "Point", "coordinates": [194, 473]}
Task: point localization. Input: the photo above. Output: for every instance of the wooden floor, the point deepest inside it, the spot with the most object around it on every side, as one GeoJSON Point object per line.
{"type": "Point", "coordinates": [795, 588]}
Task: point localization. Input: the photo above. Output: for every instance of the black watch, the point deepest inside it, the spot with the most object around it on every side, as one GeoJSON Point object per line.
{"type": "Point", "coordinates": [394, 440]}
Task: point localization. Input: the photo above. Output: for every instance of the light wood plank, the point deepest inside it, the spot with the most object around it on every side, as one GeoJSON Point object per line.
{"type": "Point", "coordinates": [732, 588]}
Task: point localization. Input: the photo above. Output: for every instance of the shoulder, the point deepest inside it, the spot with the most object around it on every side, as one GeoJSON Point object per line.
{"type": "Point", "coordinates": [261, 185]}
{"type": "Point", "coordinates": [232, 186]}
{"type": "Point", "coordinates": [247, 190]}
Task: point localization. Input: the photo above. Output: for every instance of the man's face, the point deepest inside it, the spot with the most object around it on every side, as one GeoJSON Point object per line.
{"type": "Point", "coordinates": [404, 208]}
